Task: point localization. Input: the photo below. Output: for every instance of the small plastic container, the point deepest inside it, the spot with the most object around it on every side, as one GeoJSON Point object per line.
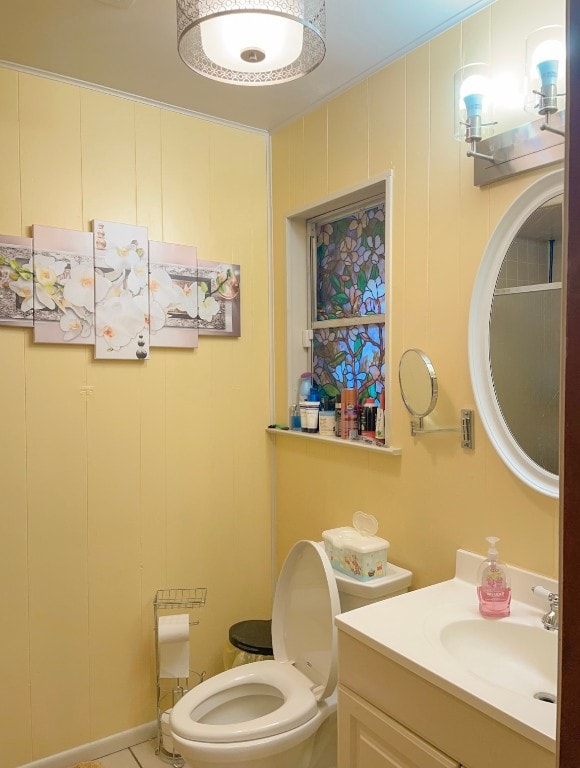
{"type": "Point", "coordinates": [357, 551]}
{"type": "Point", "coordinates": [304, 385]}
{"type": "Point", "coordinates": [327, 422]}
{"type": "Point", "coordinates": [309, 411]}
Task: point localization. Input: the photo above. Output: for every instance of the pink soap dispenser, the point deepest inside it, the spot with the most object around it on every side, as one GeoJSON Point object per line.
{"type": "Point", "coordinates": [493, 585]}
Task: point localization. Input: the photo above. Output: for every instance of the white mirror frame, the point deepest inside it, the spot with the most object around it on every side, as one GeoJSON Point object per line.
{"type": "Point", "coordinates": [478, 334]}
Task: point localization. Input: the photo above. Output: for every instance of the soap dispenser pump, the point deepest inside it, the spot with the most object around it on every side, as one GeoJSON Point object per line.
{"type": "Point", "coordinates": [493, 585]}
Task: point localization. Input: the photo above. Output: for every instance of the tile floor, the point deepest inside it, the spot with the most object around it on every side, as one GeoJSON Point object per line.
{"type": "Point", "coordinates": [140, 756]}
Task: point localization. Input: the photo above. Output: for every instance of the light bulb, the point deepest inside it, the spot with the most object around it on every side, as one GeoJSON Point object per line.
{"type": "Point", "coordinates": [474, 92]}
{"type": "Point", "coordinates": [474, 85]}
{"type": "Point", "coordinates": [546, 58]}
{"type": "Point", "coordinates": [548, 50]}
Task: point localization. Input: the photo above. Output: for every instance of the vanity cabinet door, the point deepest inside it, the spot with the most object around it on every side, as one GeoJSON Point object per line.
{"type": "Point", "coordinates": [367, 738]}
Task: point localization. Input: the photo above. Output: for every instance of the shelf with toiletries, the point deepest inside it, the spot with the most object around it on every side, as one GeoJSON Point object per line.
{"type": "Point", "coordinates": [367, 446]}
{"type": "Point", "coordinates": [329, 415]}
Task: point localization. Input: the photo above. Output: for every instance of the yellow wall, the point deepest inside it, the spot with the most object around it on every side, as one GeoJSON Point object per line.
{"type": "Point", "coordinates": [436, 497]}
{"type": "Point", "coordinates": [159, 477]}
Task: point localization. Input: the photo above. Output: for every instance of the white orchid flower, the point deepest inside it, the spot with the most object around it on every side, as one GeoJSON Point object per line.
{"type": "Point", "coordinates": [47, 271]}
{"type": "Point", "coordinates": [72, 326]}
{"type": "Point", "coordinates": [187, 300]}
{"type": "Point", "coordinates": [123, 257]}
{"type": "Point", "coordinates": [207, 306]}
{"type": "Point", "coordinates": [24, 289]}
{"type": "Point", "coordinates": [119, 320]}
{"type": "Point", "coordinates": [138, 276]}
{"type": "Point", "coordinates": [153, 313]}
{"type": "Point", "coordinates": [162, 289]}
{"type": "Point", "coordinates": [84, 286]}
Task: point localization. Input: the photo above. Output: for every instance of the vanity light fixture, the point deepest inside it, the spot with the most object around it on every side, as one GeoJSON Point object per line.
{"type": "Point", "coordinates": [546, 73]}
{"type": "Point", "coordinates": [473, 106]}
{"type": "Point", "coordinates": [251, 42]}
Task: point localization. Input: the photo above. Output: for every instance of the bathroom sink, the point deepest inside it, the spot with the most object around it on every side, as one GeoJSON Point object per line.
{"type": "Point", "coordinates": [505, 668]}
{"type": "Point", "coordinates": [519, 657]}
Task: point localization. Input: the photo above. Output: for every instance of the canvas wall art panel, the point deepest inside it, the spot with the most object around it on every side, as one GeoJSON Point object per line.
{"type": "Point", "coordinates": [16, 281]}
{"type": "Point", "coordinates": [218, 298]}
{"type": "Point", "coordinates": [173, 295]}
{"type": "Point", "coordinates": [121, 253]}
{"type": "Point", "coordinates": [65, 286]}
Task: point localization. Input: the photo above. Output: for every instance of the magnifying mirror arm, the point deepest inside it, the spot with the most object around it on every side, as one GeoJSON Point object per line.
{"type": "Point", "coordinates": [465, 428]}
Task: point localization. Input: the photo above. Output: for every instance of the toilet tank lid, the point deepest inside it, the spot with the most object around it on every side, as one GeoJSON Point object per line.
{"type": "Point", "coordinates": [305, 604]}
{"type": "Point", "coordinates": [395, 579]}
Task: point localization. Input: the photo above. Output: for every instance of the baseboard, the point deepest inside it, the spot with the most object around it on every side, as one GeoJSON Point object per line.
{"type": "Point", "coordinates": [96, 749]}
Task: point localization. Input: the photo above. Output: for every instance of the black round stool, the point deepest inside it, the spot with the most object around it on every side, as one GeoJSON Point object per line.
{"type": "Point", "coordinates": [253, 639]}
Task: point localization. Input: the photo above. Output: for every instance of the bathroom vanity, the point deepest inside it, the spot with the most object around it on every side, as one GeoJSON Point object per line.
{"type": "Point", "coordinates": [425, 682]}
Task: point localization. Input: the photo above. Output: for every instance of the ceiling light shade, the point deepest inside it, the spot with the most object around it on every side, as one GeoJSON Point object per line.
{"type": "Point", "coordinates": [251, 42]}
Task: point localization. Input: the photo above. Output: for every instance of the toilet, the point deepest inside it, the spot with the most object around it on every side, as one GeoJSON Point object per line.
{"type": "Point", "coordinates": [281, 713]}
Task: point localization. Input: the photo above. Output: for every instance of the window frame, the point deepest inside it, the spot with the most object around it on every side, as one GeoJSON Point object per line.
{"type": "Point", "coordinates": [299, 281]}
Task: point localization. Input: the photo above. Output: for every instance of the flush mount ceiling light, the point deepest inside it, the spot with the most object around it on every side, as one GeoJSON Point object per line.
{"type": "Point", "coordinates": [546, 73]}
{"type": "Point", "coordinates": [247, 42]}
{"type": "Point", "coordinates": [473, 106]}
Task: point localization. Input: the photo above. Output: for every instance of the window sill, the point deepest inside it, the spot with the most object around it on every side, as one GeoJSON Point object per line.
{"type": "Point", "coordinates": [386, 449]}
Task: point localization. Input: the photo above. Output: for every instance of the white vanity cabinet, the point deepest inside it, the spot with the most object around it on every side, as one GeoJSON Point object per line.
{"type": "Point", "coordinates": [390, 717]}
{"type": "Point", "coordinates": [370, 739]}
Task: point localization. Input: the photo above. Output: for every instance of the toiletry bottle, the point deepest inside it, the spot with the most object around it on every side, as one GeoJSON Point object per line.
{"type": "Point", "coordinates": [493, 585]}
{"type": "Point", "coordinates": [338, 415]}
{"type": "Point", "coordinates": [380, 423]}
{"type": "Point", "coordinates": [295, 416]}
{"type": "Point", "coordinates": [368, 418]}
{"type": "Point", "coordinates": [349, 410]}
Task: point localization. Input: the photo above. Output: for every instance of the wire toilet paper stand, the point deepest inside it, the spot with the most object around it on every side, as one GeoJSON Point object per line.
{"type": "Point", "coordinates": [170, 690]}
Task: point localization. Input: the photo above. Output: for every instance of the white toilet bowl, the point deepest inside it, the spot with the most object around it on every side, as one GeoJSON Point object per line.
{"type": "Point", "coordinates": [267, 714]}
{"type": "Point", "coordinates": [281, 713]}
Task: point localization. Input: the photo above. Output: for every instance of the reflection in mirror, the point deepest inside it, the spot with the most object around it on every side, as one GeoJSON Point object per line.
{"type": "Point", "coordinates": [514, 334]}
{"type": "Point", "coordinates": [524, 334]}
{"type": "Point", "coordinates": [418, 382]}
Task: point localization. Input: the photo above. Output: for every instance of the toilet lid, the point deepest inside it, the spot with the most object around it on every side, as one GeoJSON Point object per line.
{"type": "Point", "coordinates": [305, 604]}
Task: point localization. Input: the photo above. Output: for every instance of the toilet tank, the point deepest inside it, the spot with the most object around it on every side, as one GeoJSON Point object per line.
{"type": "Point", "coordinates": [355, 594]}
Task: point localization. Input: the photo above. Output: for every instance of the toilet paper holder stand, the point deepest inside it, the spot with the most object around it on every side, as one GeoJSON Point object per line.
{"type": "Point", "coordinates": [164, 602]}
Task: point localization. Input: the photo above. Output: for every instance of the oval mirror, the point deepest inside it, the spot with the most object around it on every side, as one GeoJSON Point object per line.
{"type": "Point", "coordinates": [514, 334]}
{"type": "Point", "coordinates": [418, 382]}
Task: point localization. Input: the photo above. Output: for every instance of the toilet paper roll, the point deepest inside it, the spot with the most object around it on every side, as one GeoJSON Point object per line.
{"type": "Point", "coordinates": [173, 645]}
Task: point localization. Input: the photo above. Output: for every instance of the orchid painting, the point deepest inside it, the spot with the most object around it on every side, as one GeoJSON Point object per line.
{"type": "Point", "coordinates": [218, 297]}
{"type": "Point", "coordinates": [116, 290]}
{"type": "Point", "coordinates": [122, 318]}
{"type": "Point", "coordinates": [173, 295]}
{"type": "Point", "coordinates": [65, 286]}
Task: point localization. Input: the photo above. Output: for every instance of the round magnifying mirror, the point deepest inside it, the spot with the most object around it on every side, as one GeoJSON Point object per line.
{"type": "Point", "coordinates": [418, 382]}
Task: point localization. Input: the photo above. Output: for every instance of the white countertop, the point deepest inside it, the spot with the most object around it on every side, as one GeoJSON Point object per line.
{"type": "Point", "coordinates": [406, 629]}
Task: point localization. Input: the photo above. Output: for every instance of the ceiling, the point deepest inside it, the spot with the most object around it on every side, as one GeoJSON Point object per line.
{"type": "Point", "coordinates": [134, 50]}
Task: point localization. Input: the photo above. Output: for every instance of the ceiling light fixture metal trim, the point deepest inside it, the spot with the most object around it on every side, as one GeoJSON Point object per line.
{"type": "Point", "coordinates": [307, 17]}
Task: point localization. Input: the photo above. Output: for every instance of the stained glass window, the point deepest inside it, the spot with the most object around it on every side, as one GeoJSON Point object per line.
{"type": "Point", "coordinates": [350, 357]}
{"type": "Point", "coordinates": [350, 265]}
{"type": "Point", "coordinates": [349, 306]}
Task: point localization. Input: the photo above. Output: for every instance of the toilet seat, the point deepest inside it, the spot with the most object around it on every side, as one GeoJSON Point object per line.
{"type": "Point", "coordinates": [297, 704]}
{"type": "Point", "coordinates": [270, 698]}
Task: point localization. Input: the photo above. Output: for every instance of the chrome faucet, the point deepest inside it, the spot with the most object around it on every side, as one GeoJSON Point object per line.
{"type": "Point", "coordinates": [550, 620]}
